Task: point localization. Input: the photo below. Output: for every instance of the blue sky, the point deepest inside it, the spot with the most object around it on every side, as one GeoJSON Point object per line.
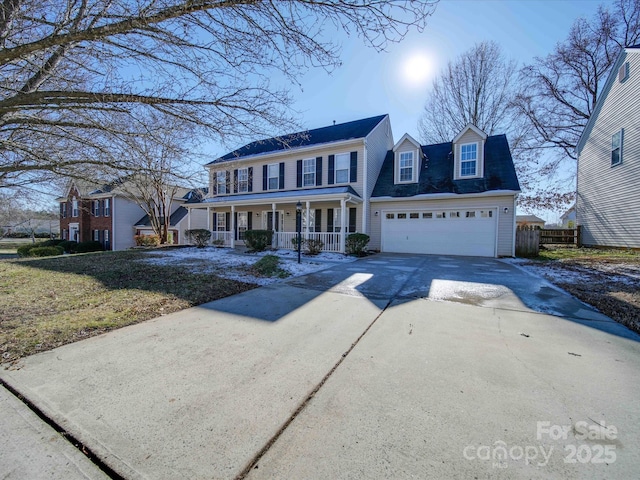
{"type": "Point", "coordinates": [371, 83]}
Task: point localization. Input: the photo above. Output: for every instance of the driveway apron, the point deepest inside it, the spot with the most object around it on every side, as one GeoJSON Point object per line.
{"type": "Point", "coordinates": [394, 366]}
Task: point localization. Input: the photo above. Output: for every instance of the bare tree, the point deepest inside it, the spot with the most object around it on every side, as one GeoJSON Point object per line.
{"type": "Point", "coordinates": [160, 169]}
{"type": "Point", "coordinates": [476, 88]}
{"type": "Point", "coordinates": [559, 92]}
{"type": "Point", "coordinates": [78, 77]}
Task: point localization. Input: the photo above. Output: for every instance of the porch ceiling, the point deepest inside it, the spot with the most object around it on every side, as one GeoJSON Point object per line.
{"type": "Point", "coordinates": [289, 196]}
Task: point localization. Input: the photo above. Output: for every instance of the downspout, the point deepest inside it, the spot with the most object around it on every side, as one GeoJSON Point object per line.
{"type": "Point", "coordinates": [365, 189]}
{"type": "Point", "coordinates": [513, 243]}
{"type": "Point", "coordinates": [113, 222]}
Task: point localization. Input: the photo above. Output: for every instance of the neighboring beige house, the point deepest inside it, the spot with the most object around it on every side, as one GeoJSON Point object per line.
{"type": "Point", "coordinates": [608, 192]}
{"type": "Point", "coordinates": [568, 218]}
{"type": "Point", "coordinates": [451, 198]}
{"type": "Point", "coordinates": [529, 221]}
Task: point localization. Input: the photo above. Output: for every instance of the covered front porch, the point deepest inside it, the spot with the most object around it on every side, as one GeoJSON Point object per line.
{"type": "Point", "coordinates": [328, 215]}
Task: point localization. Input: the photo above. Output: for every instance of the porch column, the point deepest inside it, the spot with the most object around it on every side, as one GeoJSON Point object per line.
{"type": "Point", "coordinates": [208, 219]}
{"type": "Point", "coordinates": [233, 226]}
{"type": "Point", "coordinates": [274, 241]}
{"type": "Point", "coordinates": [308, 221]}
{"type": "Point", "coordinates": [343, 230]}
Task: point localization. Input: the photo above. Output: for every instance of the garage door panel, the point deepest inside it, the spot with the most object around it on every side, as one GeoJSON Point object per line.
{"type": "Point", "coordinates": [442, 236]}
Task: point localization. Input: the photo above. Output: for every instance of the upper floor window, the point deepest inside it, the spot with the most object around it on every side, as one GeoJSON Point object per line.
{"type": "Point", "coordinates": [74, 207]}
{"type": "Point", "coordinates": [273, 176]}
{"type": "Point", "coordinates": [96, 208]}
{"type": "Point", "coordinates": [243, 180]}
{"type": "Point", "coordinates": [107, 207]}
{"type": "Point", "coordinates": [468, 160]}
{"type": "Point", "coordinates": [309, 172]}
{"type": "Point", "coordinates": [63, 210]}
{"type": "Point", "coordinates": [343, 161]}
{"type": "Point", "coordinates": [406, 166]}
{"type": "Point", "coordinates": [616, 148]}
{"type": "Point", "coordinates": [221, 182]}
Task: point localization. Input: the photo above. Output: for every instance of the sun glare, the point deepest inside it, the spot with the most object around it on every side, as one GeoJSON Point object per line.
{"type": "Point", "coordinates": [416, 69]}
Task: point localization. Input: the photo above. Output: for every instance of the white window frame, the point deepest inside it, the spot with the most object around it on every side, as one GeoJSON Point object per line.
{"type": "Point", "coordinates": [221, 185]}
{"type": "Point", "coordinates": [221, 222]}
{"type": "Point", "coordinates": [617, 140]}
{"type": "Point", "coordinates": [74, 207]}
{"type": "Point", "coordinates": [107, 207]}
{"type": "Point", "coordinates": [106, 236]}
{"type": "Point", "coordinates": [464, 160]}
{"type": "Point", "coordinates": [96, 235]}
{"type": "Point", "coordinates": [408, 157]}
{"type": "Point", "coordinates": [270, 176]}
{"type": "Point", "coordinates": [337, 219]}
{"type": "Point", "coordinates": [243, 180]}
{"type": "Point", "coordinates": [309, 172]}
{"type": "Point", "coordinates": [243, 224]}
{"type": "Point", "coordinates": [312, 220]}
{"type": "Point", "coordinates": [342, 157]}
{"type": "Point", "coordinates": [96, 208]}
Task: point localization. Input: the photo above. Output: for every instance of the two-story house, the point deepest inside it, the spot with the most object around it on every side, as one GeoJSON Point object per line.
{"type": "Point", "coordinates": [608, 192]}
{"type": "Point", "coordinates": [106, 214]}
{"type": "Point", "coordinates": [456, 197]}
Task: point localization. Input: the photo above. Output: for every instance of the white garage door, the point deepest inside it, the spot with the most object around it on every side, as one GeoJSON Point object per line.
{"type": "Point", "coordinates": [441, 232]}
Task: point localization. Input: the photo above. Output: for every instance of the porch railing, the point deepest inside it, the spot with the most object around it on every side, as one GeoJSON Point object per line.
{"type": "Point", "coordinates": [224, 236]}
{"type": "Point", "coordinates": [285, 240]}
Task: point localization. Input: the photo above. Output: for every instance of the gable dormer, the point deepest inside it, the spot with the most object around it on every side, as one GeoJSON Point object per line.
{"type": "Point", "coordinates": [407, 154]}
{"type": "Point", "coordinates": [468, 153]}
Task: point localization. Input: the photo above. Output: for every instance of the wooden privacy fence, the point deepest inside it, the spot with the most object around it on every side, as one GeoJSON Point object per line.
{"type": "Point", "coordinates": [529, 239]}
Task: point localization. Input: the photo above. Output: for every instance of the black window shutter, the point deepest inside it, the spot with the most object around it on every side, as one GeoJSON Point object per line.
{"type": "Point", "coordinates": [215, 222]}
{"type": "Point", "coordinates": [101, 208]}
{"type": "Point", "coordinates": [354, 167]}
{"type": "Point", "coordinates": [352, 220]}
{"type": "Point", "coordinates": [61, 215]}
{"type": "Point", "coordinates": [235, 181]}
{"type": "Point", "coordinates": [264, 177]}
{"type": "Point", "coordinates": [318, 225]}
{"type": "Point", "coordinates": [215, 183]}
{"type": "Point", "coordinates": [249, 221]}
{"type": "Point", "coordinates": [329, 219]}
{"type": "Point", "coordinates": [318, 171]}
{"type": "Point", "coordinates": [332, 168]}
{"type": "Point", "coordinates": [228, 221]}
{"type": "Point", "coordinates": [235, 223]}
{"type": "Point", "coordinates": [281, 183]}
{"type": "Point", "coordinates": [299, 173]}
{"type": "Point", "coordinates": [250, 179]}
{"type": "Point", "coordinates": [228, 181]}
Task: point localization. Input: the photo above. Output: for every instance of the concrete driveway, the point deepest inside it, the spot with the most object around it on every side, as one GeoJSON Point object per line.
{"type": "Point", "coordinates": [394, 366]}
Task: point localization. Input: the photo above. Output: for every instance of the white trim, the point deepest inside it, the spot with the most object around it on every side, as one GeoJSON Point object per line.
{"type": "Point", "coordinates": [335, 168]}
{"type": "Point", "coordinates": [414, 167]}
{"type": "Point", "coordinates": [315, 180]}
{"type": "Point", "coordinates": [406, 136]}
{"type": "Point", "coordinates": [437, 196]}
{"type": "Point", "coordinates": [365, 190]}
{"type": "Point", "coordinates": [277, 177]}
{"type": "Point", "coordinates": [472, 127]}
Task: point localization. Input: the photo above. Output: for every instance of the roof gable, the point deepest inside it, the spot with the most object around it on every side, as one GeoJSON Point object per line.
{"type": "Point", "coordinates": [472, 127]}
{"type": "Point", "coordinates": [334, 133]}
{"type": "Point", "coordinates": [613, 75]}
{"type": "Point", "coordinates": [406, 137]}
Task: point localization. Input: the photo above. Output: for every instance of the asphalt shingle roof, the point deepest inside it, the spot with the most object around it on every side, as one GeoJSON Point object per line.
{"type": "Point", "coordinates": [174, 219]}
{"type": "Point", "coordinates": [334, 133]}
{"type": "Point", "coordinates": [436, 172]}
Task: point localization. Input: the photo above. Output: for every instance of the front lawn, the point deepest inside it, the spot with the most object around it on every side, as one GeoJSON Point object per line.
{"type": "Point", "coordinates": [607, 279]}
{"type": "Point", "coordinates": [48, 302]}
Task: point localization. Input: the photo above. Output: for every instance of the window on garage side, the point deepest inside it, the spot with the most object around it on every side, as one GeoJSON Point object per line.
{"type": "Point", "coordinates": [616, 148]}
{"type": "Point", "coordinates": [427, 215]}
{"type": "Point", "coordinates": [402, 215]}
{"type": "Point", "coordinates": [414, 215]}
{"type": "Point", "coordinates": [391, 216]}
{"type": "Point", "coordinates": [471, 214]}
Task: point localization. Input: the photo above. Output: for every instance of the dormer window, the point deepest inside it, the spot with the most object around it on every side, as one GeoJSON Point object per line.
{"type": "Point", "coordinates": [406, 166]}
{"type": "Point", "coordinates": [469, 160]}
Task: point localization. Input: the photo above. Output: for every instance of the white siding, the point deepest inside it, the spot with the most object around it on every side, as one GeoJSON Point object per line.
{"type": "Point", "coordinates": [505, 231]}
{"type": "Point", "coordinates": [608, 198]}
{"type": "Point", "coordinates": [379, 142]}
{"type": "Point", "coordinates": [125, 213]}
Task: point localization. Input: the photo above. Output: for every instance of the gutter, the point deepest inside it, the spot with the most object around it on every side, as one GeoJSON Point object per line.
{"type": "Point", "coordinates": [438, 196]}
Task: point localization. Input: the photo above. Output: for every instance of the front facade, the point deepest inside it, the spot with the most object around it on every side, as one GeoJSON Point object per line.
{"type": "Point", "coordinates": [608, 193]}
{"type": "Point", "coordinates": [331, 171]}
{"type": "Point", "coordinates": [352, 178]}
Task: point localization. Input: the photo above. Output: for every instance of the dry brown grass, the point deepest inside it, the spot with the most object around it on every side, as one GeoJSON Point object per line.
{"type": "Point", "coordinates": [45, 303]}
